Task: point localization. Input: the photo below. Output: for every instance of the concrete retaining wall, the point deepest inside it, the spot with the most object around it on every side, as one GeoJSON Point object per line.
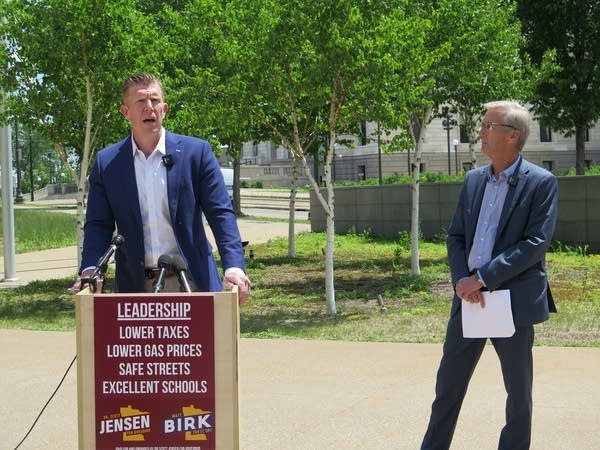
{"type": "Point", "coordinates": [385, 210]}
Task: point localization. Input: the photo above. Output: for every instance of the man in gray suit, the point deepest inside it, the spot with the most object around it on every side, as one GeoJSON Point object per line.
{"type": "Point", "coordinates": [498, 239]}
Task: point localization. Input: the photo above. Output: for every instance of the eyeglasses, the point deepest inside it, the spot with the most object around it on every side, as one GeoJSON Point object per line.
{"type": "Point", "coordinates": [488, 126]}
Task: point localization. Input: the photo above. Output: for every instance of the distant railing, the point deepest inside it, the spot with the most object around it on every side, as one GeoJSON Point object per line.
{"type": "Point", "coordinates": [40, 194]}
{"type": "Point", "coordinates": [250, 198]}
{"type": "Point", "coordinates": [58, 190]}
{"type": "Point", "coordinates": [273, 199]}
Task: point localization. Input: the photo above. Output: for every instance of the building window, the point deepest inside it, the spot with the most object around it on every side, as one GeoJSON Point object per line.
{"type": "Point", "coordinates": [545, 134]}
{"type": "Point", "coordinates": [548, 165]}
{"type": "Point", "coordinates": [422, 167]}
{"type": "Point", "coordinates": [464, 136]}
{"type": "Point", "coordinates": [587, 134]}
{"type": "Point", "coordinates": [362, 173]}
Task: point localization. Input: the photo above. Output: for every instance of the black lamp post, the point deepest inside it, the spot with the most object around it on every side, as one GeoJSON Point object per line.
{"type": "Point", "coordinates": [455, 142]}
{"type": "Point", "coordinates": [32, 187]}
{"type": "Point", "coordinates": [379, 154]}
{"type": "Point", "coordinates": [447, 123]}
{"type": "Point", "coordinates": [19, 195]}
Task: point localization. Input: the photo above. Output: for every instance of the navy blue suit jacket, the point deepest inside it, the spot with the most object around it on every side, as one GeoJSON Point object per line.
{"type": "Point", "coordinates": [194, 185]}
{"type": "Point", "coordinates": [524, 234]}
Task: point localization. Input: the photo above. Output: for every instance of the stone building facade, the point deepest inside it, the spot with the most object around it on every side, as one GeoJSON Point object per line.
{"type": "Point", "coordinates": [444, 151]}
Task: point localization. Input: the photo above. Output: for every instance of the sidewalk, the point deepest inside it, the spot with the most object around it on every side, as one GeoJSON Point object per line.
{"type": "Point", "coordinates": [62, 262]}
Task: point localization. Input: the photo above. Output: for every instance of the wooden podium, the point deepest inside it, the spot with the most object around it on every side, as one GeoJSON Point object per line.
{"type": "Point", "coordinates": [158, 371]}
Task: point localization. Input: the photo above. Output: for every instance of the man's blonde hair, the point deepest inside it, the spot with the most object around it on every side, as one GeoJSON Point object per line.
{"type": "Point", "coordinates": [142, 78]}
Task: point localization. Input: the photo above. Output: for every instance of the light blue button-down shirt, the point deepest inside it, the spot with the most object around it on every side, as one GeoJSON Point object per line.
{"type": "Point", "coordinates": [489, 217]}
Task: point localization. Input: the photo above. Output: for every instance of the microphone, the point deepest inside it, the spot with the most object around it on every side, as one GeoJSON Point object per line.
{"type": "Point", "coordinates": [116, 242]}
{"type": "Point", "coordinates": [513, 181]}
{"type": "Point", "coordinates": [165, 263]}
{"type": "Point", "coordinates": [168, 161]}
{"type": "Point", "coordinates": [179, 267]}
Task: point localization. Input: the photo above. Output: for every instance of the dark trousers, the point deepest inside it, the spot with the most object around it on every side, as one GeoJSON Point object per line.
{"type": "Point", "coordinates": [456, 368]}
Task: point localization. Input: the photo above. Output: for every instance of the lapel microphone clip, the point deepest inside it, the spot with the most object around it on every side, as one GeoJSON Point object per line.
{"type": "Point", "coordinates": [168, 161]}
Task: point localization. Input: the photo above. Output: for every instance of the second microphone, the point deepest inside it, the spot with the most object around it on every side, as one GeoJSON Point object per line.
{"type": "Point", "coordinates": [176, 265]}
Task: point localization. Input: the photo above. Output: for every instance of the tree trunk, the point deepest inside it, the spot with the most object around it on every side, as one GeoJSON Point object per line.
{"type": "Point", "coordinates": [414, 218]}
{"type": "Point", "coordinates": [81, 180]}
{"type": "Point", "coordinates": [580, 129]}
{"type": "Point", "coordinates": [472, 154]}
{"type": "Point", "coordinates": [330, 220]}
{"type": "Point", "coordinates": [472, 128]}
{"type": "Point", "coordinates": [81, 201]}
{"type": "Point", "coordinates": [327, 203]}
{"type": "Point", "coordinates": [237, 200]}
{"type": "Point", "coordinates": [416, 188]}
{"type": "Point", "coordinates": [329, 256]}
{"type": "Point", "coordinates": [292, 214]}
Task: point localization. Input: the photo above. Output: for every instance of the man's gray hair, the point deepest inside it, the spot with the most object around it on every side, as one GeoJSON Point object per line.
{"type": "Point", "coordinates": [515, 115]}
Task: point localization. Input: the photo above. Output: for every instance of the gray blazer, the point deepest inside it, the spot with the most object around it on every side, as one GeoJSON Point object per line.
{"type": "Point", "coordinates": [524, 234]}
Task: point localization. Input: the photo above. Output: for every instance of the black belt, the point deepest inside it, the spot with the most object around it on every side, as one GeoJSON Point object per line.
{"type": "Point", "coordinates": [151, 274]}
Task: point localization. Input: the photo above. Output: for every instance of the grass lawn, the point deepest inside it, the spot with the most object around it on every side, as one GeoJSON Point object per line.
{"type": "Point", "coordinates": [377, 297]}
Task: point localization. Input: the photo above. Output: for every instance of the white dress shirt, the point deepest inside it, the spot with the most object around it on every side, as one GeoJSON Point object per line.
{"type": "Point", "coordinates": [151, 179]}
{"type": "Point", "coordinates": [489, 217]}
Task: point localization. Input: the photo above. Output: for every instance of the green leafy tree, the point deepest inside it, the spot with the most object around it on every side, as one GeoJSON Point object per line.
{"type": "Point", "coordinates": [473, 58]}
{"type": "Point", "coordinates": [250, 85]}
{"type": "Point", "coordinates": [66, 60]}
{"type": "Point", "coordinates": [566, 35]}
{"type": "Point", "coordinates": [483, 62]}
{"type": "Point", "coordinates": [203, 95]}
{"type": "Point", "coordinates": [309, 68]}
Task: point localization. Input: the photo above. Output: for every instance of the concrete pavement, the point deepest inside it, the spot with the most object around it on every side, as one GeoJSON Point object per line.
{"type": "Point", "coordinates": [303, 395]}
{"type": "Point", "coordinates": [323, 395]}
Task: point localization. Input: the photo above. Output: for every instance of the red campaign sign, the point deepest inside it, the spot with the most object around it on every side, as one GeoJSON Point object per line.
{"type": "Point", "coordinates": [154, 372]}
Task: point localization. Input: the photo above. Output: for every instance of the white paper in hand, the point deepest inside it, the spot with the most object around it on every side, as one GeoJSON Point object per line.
{"type": "Point", "coordinates": [495, 320]}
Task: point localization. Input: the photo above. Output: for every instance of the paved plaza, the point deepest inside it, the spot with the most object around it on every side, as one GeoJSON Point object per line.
{"type": "Point", "coordinates": [303, 395]}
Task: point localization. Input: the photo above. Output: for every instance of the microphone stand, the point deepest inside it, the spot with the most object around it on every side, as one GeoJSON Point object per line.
{"type": "Point", "coordinates": [184, 285]}
{"type": "Point", "coordinates": [164, 264]}
{"type": "Point", "coordinates": [102, 264]}
{"type": "Point", "coordinates": [159, 284]}
{"type": "Point", "coordinates": [180, 267]}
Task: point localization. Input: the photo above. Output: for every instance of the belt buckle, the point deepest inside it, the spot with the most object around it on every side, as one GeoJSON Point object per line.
{"type": "Point", "coordinates": [151, 274]}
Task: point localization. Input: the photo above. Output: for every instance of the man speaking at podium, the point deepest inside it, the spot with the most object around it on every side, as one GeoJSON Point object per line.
{"type": "Point", "coordinates": [153, 187]}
